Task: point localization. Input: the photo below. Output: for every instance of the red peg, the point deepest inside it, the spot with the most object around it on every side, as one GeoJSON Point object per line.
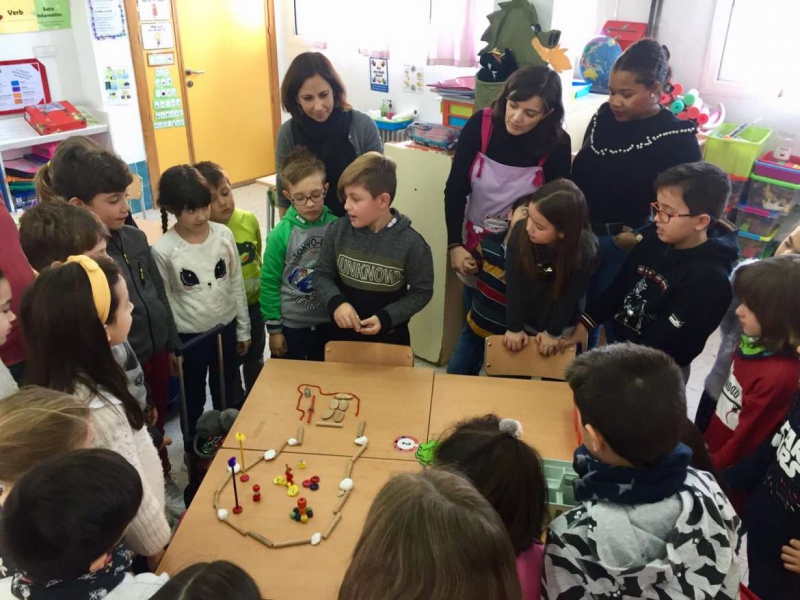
{"type": "Point", "coordinates": [256, 493]}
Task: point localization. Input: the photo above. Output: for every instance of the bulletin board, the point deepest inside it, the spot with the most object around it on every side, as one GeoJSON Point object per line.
{"type": "Point", "coordinates": [22, 83]}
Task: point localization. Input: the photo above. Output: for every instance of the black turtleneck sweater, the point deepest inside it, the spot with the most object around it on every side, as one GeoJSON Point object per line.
{"type": "Point", "coordinates": [513, 150]}
{"type": "Point", "coordinates": [619, 186]}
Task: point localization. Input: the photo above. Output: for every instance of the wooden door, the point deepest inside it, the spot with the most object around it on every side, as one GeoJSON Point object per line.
{"type": "Point", "coordinates": [227, 80]}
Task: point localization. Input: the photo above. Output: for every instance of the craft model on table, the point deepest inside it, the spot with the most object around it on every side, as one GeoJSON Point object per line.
{"type": "Point", "coordinates": [338, 406]}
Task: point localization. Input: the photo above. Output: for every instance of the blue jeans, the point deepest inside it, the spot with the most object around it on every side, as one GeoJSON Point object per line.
{"type": "Point", "coordinates": [609, 262]}
{"type": "Point", "coordinates": [467, 358]}
{"type": "Point", "coordinates": [305, 343]}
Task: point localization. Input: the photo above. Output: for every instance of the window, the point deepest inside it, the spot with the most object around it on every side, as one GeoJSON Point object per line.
{"type": "Point", "coordinates": [751, 48]}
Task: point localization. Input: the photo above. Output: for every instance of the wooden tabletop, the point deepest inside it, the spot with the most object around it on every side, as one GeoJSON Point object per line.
{"type": "Point", "coordinates": [395, 401]}
{"type": "Point", "coordinates": [545, 409]}
{"type": "Point", "coordinates": [285, 573]}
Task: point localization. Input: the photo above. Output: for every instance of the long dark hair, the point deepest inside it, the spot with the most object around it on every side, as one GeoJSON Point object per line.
{"type": "Point", "coordinates": [303, 67]}
{"type": "Point", "coordinates": [506, 470]}
{"type": "Point", "coordinates": [67, 343]}
{"type": "Point", "coordinates": [180, 188]}
{"type": "Point", "coordinates": [523, 85]}
{"type": "Point", "coordinates": [563, 204]}
{"type": "Point", "coordinates": [209, 581]}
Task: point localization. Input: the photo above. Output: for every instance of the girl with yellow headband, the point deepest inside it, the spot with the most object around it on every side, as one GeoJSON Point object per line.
{"type": "Point", "coordinates": [71, 317]}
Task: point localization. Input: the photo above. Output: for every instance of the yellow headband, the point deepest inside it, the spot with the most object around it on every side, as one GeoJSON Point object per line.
{"type": "Point", "coordinates": [101, 292]}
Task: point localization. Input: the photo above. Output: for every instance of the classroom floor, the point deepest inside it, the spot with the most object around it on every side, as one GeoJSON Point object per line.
{"type": "Point", "coordinates": [253, 198]}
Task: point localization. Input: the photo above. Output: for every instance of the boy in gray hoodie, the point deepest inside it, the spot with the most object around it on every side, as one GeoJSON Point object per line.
{"type": "Point", "coordinates": [646, 525]}
{"type": "Point", "coordinates": [375, 271]}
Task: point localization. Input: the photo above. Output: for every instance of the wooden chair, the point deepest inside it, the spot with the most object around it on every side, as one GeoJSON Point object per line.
{"type": "Point", "coordinates": [369, 353]}
{"type": "Point", "coordinates": [527, 362]}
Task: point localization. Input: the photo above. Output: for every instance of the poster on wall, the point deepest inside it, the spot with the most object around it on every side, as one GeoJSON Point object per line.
{"type": "Point", "coordinates": [154, 10]}
{"type": "Point", "coordinates": [167, 105]}
{"type": "Point", "coordinates": [413, 79]}
{"type": "Point", "coordinates": [22, 83]}
{"type": "Point", "coordinates": [108, 19]}
{"type": "Point", "coordinates": [157, 36]}
{"type": "Point", "coordinates": [22, 16]}
{"type": "Point", "coordinates": [117, 86]}
{"type": "Point", "coordinates": [379, 74]}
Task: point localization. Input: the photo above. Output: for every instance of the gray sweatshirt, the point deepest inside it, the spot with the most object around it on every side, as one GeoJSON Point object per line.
{"type": "Point", "coordinates": [388, 274]}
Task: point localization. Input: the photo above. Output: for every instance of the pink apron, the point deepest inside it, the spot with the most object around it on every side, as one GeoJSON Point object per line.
{"type": "Point", "coordinates": [495, 187]}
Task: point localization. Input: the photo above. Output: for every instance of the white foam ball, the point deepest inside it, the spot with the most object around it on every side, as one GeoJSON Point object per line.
{"type": "Point", "coordinates": [222, 514]}
{"type": "Point", "coordinates": [292, 442]}
{"type": "Point", "coordinates": [316, 539]}
{"type": "Point", "coordinates": [512, 427]}
{"type": "Point", "coordinates": [346, 484]}
{"type": "Point", "coordinates": [362, 441]}
{"type": "Point", "coordinates": [270, 454]}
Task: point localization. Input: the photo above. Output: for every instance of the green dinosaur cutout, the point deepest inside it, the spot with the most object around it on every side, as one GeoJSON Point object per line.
{"type": "Point", "coordinates": [513, 26]}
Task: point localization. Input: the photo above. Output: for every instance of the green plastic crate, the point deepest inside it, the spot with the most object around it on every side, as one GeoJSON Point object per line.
{"type": "Point", "coordinates": [736, 156]}
{"type": "Point", "coordinates": [560, 490]}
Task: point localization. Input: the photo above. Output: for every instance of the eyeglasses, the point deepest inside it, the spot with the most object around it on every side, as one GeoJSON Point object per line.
{"type": "Point", "coordinates": [316, 196]}
{"type": "Point", "coordinates": [659, 212]}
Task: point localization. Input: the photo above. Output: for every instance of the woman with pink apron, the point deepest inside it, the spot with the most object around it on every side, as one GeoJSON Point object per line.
{"type": "Point", "coordinates": [503, 153]}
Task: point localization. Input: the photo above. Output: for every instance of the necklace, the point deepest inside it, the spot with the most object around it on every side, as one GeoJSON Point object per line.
{"type": "Point", "coordinates": [648, 140]}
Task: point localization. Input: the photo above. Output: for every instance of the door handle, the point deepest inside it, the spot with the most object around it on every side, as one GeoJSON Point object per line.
{"type": "Point", "coordinates": [193, 72]}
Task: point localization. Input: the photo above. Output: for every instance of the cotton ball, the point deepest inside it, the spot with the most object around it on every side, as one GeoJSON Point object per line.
{"type": "Point", "coordinates": [222, 514]}
{"type": "Point", "coordinates": [511, 427]}
{"type": "Point", "coordinates": [316, 539]}
{"type": "Point", "coordinates": [346, 484]}
{"type": "Point", "coordinates": [362, 441]}
{"type": "Point", "coordinates": [270, 454]}
{"type": "Point", "coordinates": [292, 442]}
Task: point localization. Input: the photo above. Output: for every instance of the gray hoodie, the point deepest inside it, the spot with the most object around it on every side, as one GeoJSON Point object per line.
{"type": "Point", "coordinates": [682, 547]}
{"type": "Point", "coordinates": [388, 274]}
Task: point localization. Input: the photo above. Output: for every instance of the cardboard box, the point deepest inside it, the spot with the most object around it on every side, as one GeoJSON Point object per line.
{"type": "Point", "coordinates": [55, 117]}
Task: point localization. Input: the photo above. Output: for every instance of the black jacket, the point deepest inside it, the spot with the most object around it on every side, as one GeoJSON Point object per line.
{"type": "Point", "coordinates": [669, 299]}
{"type": "Point", "coordinates": [153, 327]}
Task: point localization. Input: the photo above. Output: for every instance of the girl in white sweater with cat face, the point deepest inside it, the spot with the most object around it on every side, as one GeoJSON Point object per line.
{"type": "Point", "coordinates": [71, 317]}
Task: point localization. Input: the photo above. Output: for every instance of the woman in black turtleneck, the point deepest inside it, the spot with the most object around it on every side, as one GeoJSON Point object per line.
{"type": "Point", "coordinates": [629, 141]}
{"type": "Point", "coordinates": [323, 122]}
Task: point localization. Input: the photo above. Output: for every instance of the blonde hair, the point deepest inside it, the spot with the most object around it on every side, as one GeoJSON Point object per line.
{"type": "Point", "coordinates": [376, 172]}
{"type": "Point", "coordinates": [432, 536]}
{"type": "Point", "coordinates": [35, 424]}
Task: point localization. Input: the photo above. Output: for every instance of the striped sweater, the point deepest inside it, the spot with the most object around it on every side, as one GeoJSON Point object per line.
{"type": "Point", "coordinates": [488, 313]}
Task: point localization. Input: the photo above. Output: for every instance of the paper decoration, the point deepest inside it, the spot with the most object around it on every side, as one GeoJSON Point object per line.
{"type": "Point", "coordinates": [117, 86]}
{"type": "Point", "coordinates": [22, 16]}
{"type": "Point", "coordinates": [167, 105]}
{"type": "Point", "coordinates": [413, 79]}
{"type": "Point", "coordinates": [154, 10]}
{"type": "Point", "coordinates": [379, 74]}
{"type": "Point", "coordinates": [108, 19]}
{"type": "Point", "coordinates": [22, 83]}
{"type": "Point", "coordinates": [157, 36]}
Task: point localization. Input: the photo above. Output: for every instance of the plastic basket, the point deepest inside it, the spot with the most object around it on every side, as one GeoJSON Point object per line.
{"type": "Point", "coordinates": [736, 156]}
{"type": "Point", "coordinates": [757, 221]}
{"type": "Point", "coordinates": [771, 194]}
{"type": "Point", "coordinates": [782, 170]}
{"type": "Point", "coordinates": [755, 246]}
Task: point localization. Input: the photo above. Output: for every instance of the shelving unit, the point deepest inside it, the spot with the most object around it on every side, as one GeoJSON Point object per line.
{"type": "Point", "coordinates": [17, 138]}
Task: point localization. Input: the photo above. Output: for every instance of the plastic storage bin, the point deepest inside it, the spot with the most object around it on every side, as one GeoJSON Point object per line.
{"type": "Point", "coordinates": [755, 246]}
{"type": "Point", "coordinates": [756, 220]}
{"type": "Point", "coordinates": [782, 170]}
{"type": "Point", "coordinates": [736, 156]}
{"type": "Point", "coordinates": [561, 493]}
{"type": "Point", "coordinates": [738, 192]}
{"type": "Point", "coordinates": [771, 194]}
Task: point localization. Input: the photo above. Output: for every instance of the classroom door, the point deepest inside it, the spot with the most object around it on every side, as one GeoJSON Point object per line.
{"type": "Point", "coordinates": [226, 84]}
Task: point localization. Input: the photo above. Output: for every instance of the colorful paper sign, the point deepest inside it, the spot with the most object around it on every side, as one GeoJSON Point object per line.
{"type": "Point", "coordinates": [22, 83]}
{"type": "Point", "coordinates": [379, 74]}
{"type": "Point", "coordinates": [157, 36]}
{"type": "Point", "coordinates": [23, 16]}
{"type": "Point", "coordinates": [108, 19]}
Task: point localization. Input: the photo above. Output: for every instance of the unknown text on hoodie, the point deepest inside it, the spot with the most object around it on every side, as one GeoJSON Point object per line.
{"type": "Point", "coordinates": [388, 274]}
{"type": "Point", "coordinates": [669, 299]}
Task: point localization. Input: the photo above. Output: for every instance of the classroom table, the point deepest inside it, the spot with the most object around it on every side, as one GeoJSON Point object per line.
{"type": "Point", "coordinates": [284, 573]}
{"type": "Point", "coordinates": [395, 401]}
{"type": "Point", "coordinates": [544, 408]}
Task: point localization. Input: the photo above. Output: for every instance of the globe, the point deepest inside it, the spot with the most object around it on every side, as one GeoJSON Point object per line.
{"type": "Point", "coordinates": [596, 61]}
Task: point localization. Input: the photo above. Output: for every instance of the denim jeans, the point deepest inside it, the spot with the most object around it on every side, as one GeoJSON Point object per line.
{"type": "Point", "coordinates": [467, 358]}
{"type": "Point", "coordinates": [609, 262]}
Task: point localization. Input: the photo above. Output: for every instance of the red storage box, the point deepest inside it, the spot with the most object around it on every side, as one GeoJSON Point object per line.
{"type": "Point", "coordinates": [55, 117]}
{"type": "Point", "coordinates": [782, 170]}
